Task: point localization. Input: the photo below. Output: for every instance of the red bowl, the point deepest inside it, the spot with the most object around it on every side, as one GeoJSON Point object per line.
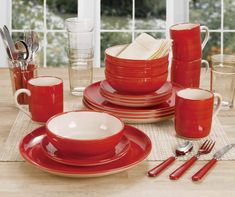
{"type": "Point", "coordinates": [84, 132]}
{"type": "Point", "coordinates": [136, 85]}
{"type": "Point", "coordinates": [112, 53]}
{"type": "Point", "coordinates": [135, 72]}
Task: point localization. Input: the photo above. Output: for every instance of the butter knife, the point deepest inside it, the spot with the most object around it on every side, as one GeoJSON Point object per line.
{"type": "Point", "coordinates": [202, 172]}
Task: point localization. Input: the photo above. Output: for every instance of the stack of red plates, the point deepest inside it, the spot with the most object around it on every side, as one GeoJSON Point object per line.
{"type": "Point", "coordinates": [129, 100]}
{"type": "Point", "coordinates": [93, 99]}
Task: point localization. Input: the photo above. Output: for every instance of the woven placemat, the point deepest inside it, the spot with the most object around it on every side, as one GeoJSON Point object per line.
{"type": "Point", "coordinates": [162, 135]}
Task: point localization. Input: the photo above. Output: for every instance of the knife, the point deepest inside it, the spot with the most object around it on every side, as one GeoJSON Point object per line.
{"type": "Point", "coordinates": [202, 172]}
{"type": "Point", "coordinates": [11, 43]}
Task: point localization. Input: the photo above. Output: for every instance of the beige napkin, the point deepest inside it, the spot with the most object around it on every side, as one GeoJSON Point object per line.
{"type": "Point", "coordinates": [146, 47]}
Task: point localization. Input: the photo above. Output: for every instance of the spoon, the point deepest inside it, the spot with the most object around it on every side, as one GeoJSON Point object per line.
{"type": "Point", "coordinates": [22, 50]}
{"type": "Point", "coordinates": [181, 150]}
{"type": "Point", "coordinates": [22, 53]}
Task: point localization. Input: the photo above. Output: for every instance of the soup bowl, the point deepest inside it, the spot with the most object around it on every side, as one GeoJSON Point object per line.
{"type": "Point", "coordinates": [84, 132]}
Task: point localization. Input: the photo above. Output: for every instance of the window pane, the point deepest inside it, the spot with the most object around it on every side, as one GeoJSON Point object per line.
{"type": "Point", "coordinates": [116, 14]}
{"type": "Point", "coordinates": [27, 14]}
{"type": "Point", "coordinates": [206, 12]}
{"type": "Point", "coordinates": [229, 40]}
{"type": "Point", "coordinates": [150, 14]}
{"type": "Point", "coordinates": [111, 39]}
{"type": "Point", "coordinates": [58, 11]}
{"type": "Point", "coordinates": [39, 55]}
{"type": "Point", "coordinates": [56, 51]}
{"type": "Point", "coordinates": [229, 14]}
{"type": "Point", "coordinates": [156, 35]}
{"type": "Point", "coordinates": [212, 47]}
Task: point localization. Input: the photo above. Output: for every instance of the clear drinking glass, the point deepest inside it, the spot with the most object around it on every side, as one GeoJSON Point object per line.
{"type": "Point", "coordinates": [223, 77]}
{"type": "Point", "coordinates": [80, 69]}
{"type": "Point", "coordinates": [80, 53]}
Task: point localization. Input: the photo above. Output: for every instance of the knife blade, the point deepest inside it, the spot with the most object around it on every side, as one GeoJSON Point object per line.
{"type": "Point", "coordinates": [202, 172]}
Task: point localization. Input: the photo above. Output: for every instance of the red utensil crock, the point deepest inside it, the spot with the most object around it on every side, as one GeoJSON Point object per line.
{"type": "Point", "coordinates": [194, 112]}
{"type": "Point", "coordinates": [45, 97]}
{"type": "Point", "coordinates": [187, 41]}
{"type": "Point", "coordinates": [84, 132]}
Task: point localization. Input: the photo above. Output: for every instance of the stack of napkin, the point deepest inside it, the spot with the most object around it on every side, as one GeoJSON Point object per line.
{"type": "Point", "coordinates": [145, 47]}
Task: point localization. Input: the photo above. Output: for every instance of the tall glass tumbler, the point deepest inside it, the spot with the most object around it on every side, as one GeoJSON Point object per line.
{"type": "Point", "coordinates": [223, 77]}
{"type": "Point", "coordinates": [80, 54]}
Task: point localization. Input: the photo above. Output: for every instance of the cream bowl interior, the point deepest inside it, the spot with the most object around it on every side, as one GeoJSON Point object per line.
{"type": "Point", "coordinates": [85, 125]}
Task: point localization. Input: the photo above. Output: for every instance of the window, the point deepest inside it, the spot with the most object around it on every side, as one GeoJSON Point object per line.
{"type": "Point", "coordinates": [119, 22]}
{"type": "Point", "coordinates": [47, 18]}
{"type": "Point", "coordinates": [219, 16]}
{"type": "Point", "coordinates": [122, 21]}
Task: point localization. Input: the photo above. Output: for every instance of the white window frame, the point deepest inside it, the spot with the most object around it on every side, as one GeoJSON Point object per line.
{"type": "Point", "coordinates": [177, 11]}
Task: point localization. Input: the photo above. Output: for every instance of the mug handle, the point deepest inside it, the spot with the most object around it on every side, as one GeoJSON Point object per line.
{"type": "Point", "coordinates": [207, 66]}
{"type": "Point", "coordinates": [17, 93]}
{"type": "Point", "coordinates": [218, 105]}
{"type": "Point", "coordinates": [206, 36]}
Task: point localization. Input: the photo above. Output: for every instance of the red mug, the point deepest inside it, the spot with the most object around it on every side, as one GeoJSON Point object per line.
{"type": "Point", "coordinates": [187, 41]}
{"type": "Point", "coordinates": [187, 74]}
{"type": "Point", "coordinates": [194, 112]}
{"type": "Point", "coordinates": [45, 96]}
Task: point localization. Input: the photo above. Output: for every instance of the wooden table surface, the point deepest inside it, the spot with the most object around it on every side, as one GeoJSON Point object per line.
{"type": "Point", "coordinates": [22, 179]}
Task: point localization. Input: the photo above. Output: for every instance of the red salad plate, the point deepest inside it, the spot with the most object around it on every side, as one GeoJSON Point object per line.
{"type": "Point", "coordinates": [93, 96]}
{"type": "Point", "coordinates": [77, 160]}
{"type": "Point", "coordinates": [31, 151]}
{"type": "Point", "coordinates": [122, 102]}
{"type": "Point", "coordinates": [107, 89]}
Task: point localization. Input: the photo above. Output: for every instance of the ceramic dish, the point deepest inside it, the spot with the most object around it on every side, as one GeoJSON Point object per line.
{"type": "Point", "coordinates": [126, 103]}
{"type": "Point", "coordinates": [93, 96]}
{"type": "Point", "coordinates": [31, 151]}
{"type": "Point", "coordinates": [84, 132]}
{"type": "Point", "coordinates": [107, 89]}
{"type": "Point", "coordinates": [131, 115]}
{"type": "Point", "coordinates": [138, 119]}
{"type": "Point", "coordinates": [79, 160]}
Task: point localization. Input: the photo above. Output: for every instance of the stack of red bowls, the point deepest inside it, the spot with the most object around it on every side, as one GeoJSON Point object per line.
{"type": "Point", "coordinates": [134, 76]}
{"type": "Point", "coordinates": [137, 91]}
{"type": "Point", "coordinates": [187, 53]}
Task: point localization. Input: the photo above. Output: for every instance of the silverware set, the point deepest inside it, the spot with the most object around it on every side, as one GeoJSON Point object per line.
{"type": "Point", "coordinates": [185, 148]}
{"type": "Point", "coordinates": [21, 50]}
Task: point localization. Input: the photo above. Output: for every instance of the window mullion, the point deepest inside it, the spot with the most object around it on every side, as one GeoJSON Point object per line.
{"type": "Point", "coordinates": [45, 34]}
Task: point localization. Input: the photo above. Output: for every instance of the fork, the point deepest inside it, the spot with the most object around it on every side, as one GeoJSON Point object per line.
{"type": "Point", "coordinates": [205, 148]}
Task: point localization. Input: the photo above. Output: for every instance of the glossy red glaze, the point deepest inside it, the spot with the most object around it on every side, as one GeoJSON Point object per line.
{"type": "Point", "coordinates": [32, 152]}
{"type": "Point", "coordinates": [186, 43]}
{"type": "Point", "coordinates": [107, 89]}
{"type": "Point", "coordinates": [203, 171]}
{"type": "Point", "coordinates": [93, 96]}
{"type": "Point", "coordinates": [136, 85]}
{"type": "Point", "coordinates": [118, 70]}
{"type": "Point", "coordinates": [185, 73]}
{"type": "Point", "coordinates": [193, 118]}
{"type": "Point", "coordinates": [84, 147]}
{"type": "Point", "coordinates": [45, 101]}
{"type": "Point", "coordinates": [79, 160]}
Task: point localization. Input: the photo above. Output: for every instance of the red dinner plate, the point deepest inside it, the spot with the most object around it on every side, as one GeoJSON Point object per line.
{"type": "Point", "coordinates": [164, 90]}
{"type": "Point", "coordinates": [137, 119]}
{"type": "Point", "coordinates": [125, 115]}
{"type": "Point", "coordinates": [77, 160]}
{"type": "Point", "coordinates": [93, 96]}
{"type": "Point", "coordinates": [31, 150]}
